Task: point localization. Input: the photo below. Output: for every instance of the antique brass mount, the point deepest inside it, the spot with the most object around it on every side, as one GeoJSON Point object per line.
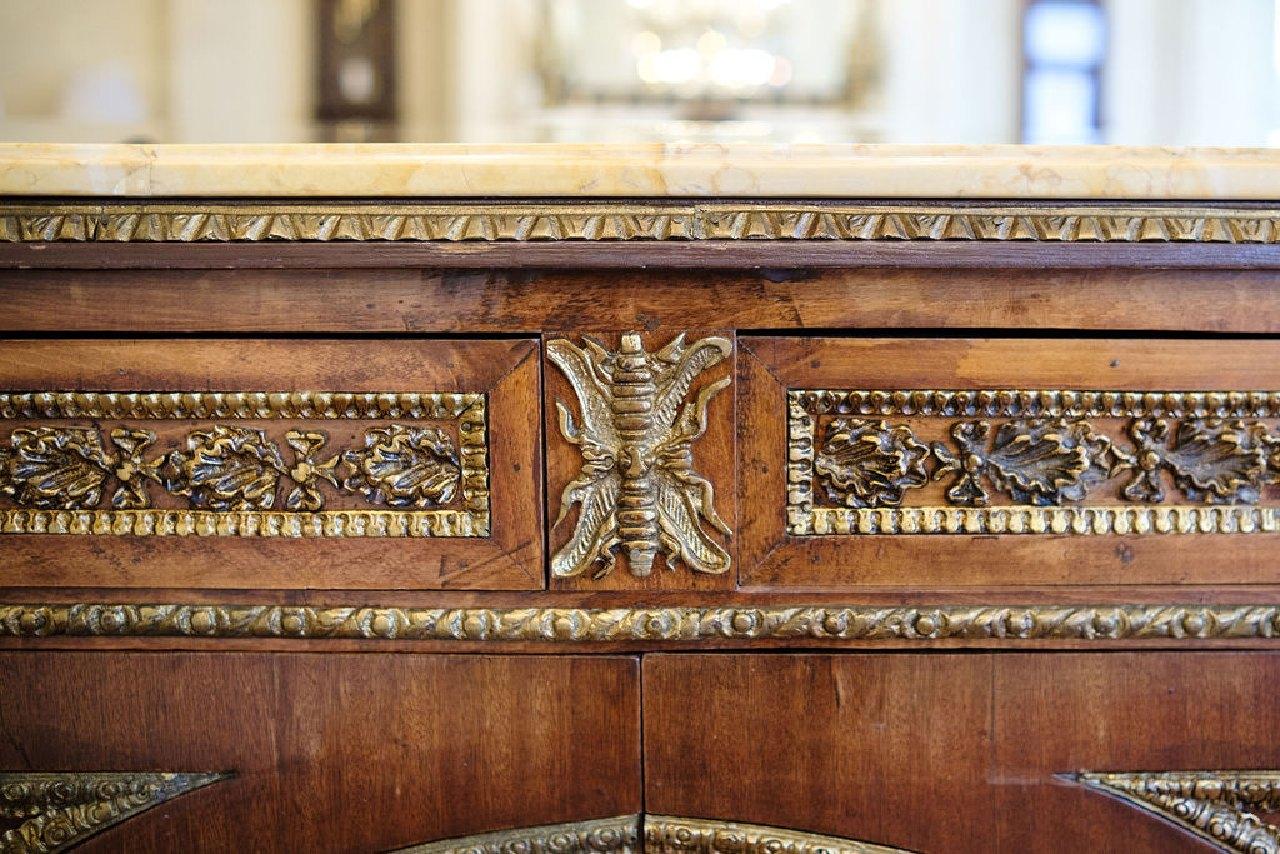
{"type": "Point", "coordinates": [637, 489]}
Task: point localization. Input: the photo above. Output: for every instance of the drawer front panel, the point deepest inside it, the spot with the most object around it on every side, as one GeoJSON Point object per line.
{"type": "Point", "coordinates": [1010, 462]}
{"type": "Point", "coordinates": [322, 752]}
{"type": "Point", "coordinates": [269, 464]}
{"type": "Point", "coordinates": [982, 753]}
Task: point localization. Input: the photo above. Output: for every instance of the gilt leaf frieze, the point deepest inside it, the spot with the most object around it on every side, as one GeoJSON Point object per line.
{"type": "Point", "coordinates": [233, 478]}
{"type": "Point", "coordinates": [637, 491]}
{"type": "Point", "coordinates": [1008, 623]}
{"type": "Point", "coordinates": [1033, 461]}
{"type": "Point", "coordinates": [1220, 807]}
{"type": "Point", "coordinates": [49, 812]}
{"type": "Point", "coordinates": [724, 219]}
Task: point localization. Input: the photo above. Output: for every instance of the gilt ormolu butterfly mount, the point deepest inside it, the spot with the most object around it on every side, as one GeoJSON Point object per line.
{"type": "Point", "coordinates": [637, 491]}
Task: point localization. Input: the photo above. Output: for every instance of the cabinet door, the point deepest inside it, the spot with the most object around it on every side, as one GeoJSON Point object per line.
{"type": "Point", "coordinates": [315, 752]}
{"type": "Point", "coordinates": [951, 463]}
{"type": "Point", "coordinates": [955, 753]}
{"type": "Point", "coordinates": [258, 464]}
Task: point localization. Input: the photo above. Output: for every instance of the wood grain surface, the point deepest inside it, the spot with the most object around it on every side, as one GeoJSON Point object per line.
{"type": "Point", "coordinates": [949, 753]}
{"type": "Point", "coordinates": [333, 752]}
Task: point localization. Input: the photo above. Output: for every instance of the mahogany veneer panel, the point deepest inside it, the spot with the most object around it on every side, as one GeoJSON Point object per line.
{"type": "Point", "coordinates": [505, 372]}
{"type": "Point", "coordinates": [333, 752]}
{"type": "Point", "coordinates": [772, 553]}
{"type": "Point", "coordinates": [949, 752]}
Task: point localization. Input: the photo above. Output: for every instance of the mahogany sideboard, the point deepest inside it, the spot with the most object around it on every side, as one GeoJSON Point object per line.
{"type": "Point", "coordinates": [545, 500]}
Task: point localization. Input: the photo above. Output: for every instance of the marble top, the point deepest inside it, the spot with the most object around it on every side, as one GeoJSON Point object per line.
{"type": "Point", "coordinates": [674, 170]}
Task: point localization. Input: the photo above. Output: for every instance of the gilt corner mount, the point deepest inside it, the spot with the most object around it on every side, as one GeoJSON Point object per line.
{"type": "Point", "coordinates": [637, 490]}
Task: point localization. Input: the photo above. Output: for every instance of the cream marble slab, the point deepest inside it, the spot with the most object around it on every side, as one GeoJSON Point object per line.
{"type": "Point", "coordinates": [677, 170]}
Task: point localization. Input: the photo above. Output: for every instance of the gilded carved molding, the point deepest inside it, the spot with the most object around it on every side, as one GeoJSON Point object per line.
{"type": "Point", "coordinates": [637, 490]}
{"type": "Point", "coordinates": [49, 812]}
{"type": "Point", "coordinates": [232, 479]}
{"type": "Point", "coordinates": [857, 459]}
{"type": "Point", "coordinates": [1217, 806]}
{"type": "Point", "coordinates": [218, 222]}
{"type": "Point", "coordinates": [664, 834]}
{"type": "Point", "coordinates": [868, 623]}
{"type": "Point", "coordinates": [649, 834]}
{"type": "Point", "coordinates": [619, 835]}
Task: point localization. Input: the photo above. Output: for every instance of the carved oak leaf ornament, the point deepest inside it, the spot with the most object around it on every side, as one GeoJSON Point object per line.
{"type": "Point", "coordinates": [1039, 462]}
{"type": "Point", "coordinates": [1215, 461]}
{"type": "Point", "coordinates": [866, 463]}
{"type": "Point", "coordinates": [637, 490]}
{"type": "Point", "coordinates": [58, 468]}
{"type": "Point", "coordinates": [405, 466]}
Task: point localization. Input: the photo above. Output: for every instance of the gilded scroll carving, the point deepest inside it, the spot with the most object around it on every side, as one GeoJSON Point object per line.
{"type": "Point", "coordinates": [1003, 623]}
{"type": "Point", "coordinates": [235, 479]}
{"type": "Point", "coordinates": [1217, 806]}
{"type": "Point", "coordinates": [628, 220]}
{"type": "Point", "coordinates": [55, 812]}
{"type": "Point", "coordinates": [848, 473]}
{"type": "Point", "coordinates": [637, 490]}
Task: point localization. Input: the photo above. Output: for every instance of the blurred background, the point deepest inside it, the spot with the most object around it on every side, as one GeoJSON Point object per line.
{"type": "Point", "coordinates": [1139, 72]}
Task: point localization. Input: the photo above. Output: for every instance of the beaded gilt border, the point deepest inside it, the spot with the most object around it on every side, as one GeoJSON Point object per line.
{"type": "Point", "coordinates": [1009, 623]}
{"type": "Point", "coordinates": [202, 221]}
{"type": "Point", "coordinates": [236, 479]}
{"type": "Point", "coordinates": [1033, 446]}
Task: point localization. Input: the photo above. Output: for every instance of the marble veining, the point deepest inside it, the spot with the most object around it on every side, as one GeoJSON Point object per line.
{"type": "Point", "coordinates": [652, 170]}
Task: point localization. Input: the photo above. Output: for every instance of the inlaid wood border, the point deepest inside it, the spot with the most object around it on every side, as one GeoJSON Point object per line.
{"type": "Point", "coordinates": [253, 221]}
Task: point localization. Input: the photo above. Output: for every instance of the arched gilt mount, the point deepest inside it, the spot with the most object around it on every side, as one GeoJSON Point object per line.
{"type": "Point", "coordinates": [651, 834]}
{"type": "Point", "coordinates": [46, 812]}
{"type": "Point", "coordinates": [1220, 807]}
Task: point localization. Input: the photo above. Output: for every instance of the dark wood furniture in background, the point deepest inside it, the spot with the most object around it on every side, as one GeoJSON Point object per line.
{"type": "Point", "coordinates": [354, 526]}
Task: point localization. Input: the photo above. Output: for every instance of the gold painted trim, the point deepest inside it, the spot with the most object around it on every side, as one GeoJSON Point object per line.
{"type": "Point", "coordinates": [620, 835]}
{"type": "Point", "coordinates": [1217, 806]}
{"type": "Point", "coordinates": [58, 811]}
{"type": "Point", "coordinates": [198, 221]}
{"type": "Point", "coordinates": [1005, 623]}
{"type": "Point", "coordinates": [664, 834]}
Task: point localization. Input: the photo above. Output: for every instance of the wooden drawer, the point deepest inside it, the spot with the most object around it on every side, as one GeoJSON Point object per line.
{"type": "Point", "coordinates": [952, 463]}
{"type": "Point", "coordinates": [336, 752]}
{"type": "Point", "coordinates": [983, 753]}
{"type": "Point", "coordinates": [236, 463]}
